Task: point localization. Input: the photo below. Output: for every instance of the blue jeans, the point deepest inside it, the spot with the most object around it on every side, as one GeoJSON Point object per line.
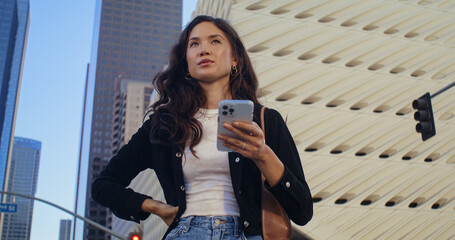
{"type": "Point", "coordinates": [208, 228]}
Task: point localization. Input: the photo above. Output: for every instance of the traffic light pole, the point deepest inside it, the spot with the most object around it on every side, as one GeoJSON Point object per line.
{"type": "Point", "coordinates": [95, 224]}
{"type": "Point", "coordinates": [443, 90]}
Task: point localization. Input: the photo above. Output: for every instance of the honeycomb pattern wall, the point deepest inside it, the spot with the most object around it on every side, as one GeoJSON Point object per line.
{"type": "Point", "coordinates": [344, 74]}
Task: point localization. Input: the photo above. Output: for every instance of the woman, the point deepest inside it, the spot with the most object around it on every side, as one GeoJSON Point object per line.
{"type": "Point", "coordinates": [208, 193]}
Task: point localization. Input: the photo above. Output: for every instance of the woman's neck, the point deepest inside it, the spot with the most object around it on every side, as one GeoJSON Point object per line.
{"type": "Point", "coordinates": [214, 93]}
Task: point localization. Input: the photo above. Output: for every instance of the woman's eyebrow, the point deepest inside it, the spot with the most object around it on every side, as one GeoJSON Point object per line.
{"type": "Point", "coordinates": [216, 35]}
{"type": "Point", "coordinates": [211, 36]}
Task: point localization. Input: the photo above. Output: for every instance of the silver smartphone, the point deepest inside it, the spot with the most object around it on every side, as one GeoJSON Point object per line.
{"type": "Point", "coordinates": [231, 111]}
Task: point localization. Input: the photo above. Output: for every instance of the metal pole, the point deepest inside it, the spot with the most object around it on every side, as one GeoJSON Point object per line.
{"type": "Point", "coordinates": [442, 90]}
{"type": "Point", "coordinates": [97, 225]}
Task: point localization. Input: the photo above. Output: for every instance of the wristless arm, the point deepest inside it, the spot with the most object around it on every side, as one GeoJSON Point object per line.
{"type": "Point", "coordinates": [163, 210]}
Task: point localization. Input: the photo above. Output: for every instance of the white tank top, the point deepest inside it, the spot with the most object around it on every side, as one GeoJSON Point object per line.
{"type": "Point", "coordinates": [208, 183]}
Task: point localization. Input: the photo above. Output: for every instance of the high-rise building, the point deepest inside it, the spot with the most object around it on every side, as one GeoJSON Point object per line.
{"type": "Point", "coordinates": [132, 100]}
{"type": "Point", "coordinates": [22, 179]}
{"type": "Point", "coordinates": [344, 74]}
{"type": "Point", "coordinates": [13, 34]}
{"type": "Point", "coordinates": [65, 229]}
{"type": "Point", "coordinates": [131, 38]}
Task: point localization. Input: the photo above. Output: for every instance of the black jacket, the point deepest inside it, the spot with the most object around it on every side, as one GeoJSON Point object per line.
{"type": "Point", "coordinates": [110, 189]}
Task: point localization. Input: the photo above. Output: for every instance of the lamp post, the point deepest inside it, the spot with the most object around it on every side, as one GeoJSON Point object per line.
{"type": "Point", "coordinates": [95, 224]}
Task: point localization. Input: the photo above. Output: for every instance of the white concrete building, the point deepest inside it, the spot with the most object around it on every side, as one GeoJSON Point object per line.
{"type": "Point", "coordinates": [344, 73]}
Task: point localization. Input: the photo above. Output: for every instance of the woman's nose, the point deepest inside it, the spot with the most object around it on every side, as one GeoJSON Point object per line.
{"type": "Point", "coordinates": [204, 52]}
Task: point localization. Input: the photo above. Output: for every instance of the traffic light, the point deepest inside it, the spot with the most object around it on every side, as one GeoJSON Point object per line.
{"type": "Point", "coordinates": [135, 237]}
{"type": "Point", "coordinates": [424, 116]}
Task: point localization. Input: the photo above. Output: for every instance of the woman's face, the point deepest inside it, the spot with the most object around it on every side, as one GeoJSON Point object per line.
{"type": "Point", "coordinates": [209, 54]}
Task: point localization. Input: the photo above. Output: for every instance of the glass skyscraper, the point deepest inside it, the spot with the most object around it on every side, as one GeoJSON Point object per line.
{"type": "Point", "coordinates": [132, 39]}
{"type": "Point", "coordinates": [13, 34]}
{"type": "Point", "coordinates": [22, 178]}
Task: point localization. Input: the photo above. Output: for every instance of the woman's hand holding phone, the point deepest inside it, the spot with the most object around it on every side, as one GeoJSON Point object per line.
{"type": "Point", "coordinates": [252, 145]}
{"type": "Point", "coordinates": [237, 131]}
{"type": "Point", "coordinates": [248, 139]}
{"type": "Point", "coordinates": [251, 141]}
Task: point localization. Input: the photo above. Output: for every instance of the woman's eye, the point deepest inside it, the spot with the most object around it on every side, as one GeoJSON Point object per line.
{"type": "Point", "coordinates": [192, 44]}
{"type": "Point", "coordinates": [216, 41]}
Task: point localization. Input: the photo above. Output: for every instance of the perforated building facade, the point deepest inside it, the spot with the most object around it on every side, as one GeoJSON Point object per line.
{"type": "Point", "coordinates": [344, 74]}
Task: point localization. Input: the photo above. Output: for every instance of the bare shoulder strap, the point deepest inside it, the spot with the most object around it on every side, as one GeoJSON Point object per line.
{"type": "Point", "coordinates": [262, 120]}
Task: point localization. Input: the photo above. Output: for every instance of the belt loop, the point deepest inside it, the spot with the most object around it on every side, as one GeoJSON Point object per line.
{"type": "Point", "coordinates": [187, 225]}
{"type": "Point", "coordinates": [236, 227]}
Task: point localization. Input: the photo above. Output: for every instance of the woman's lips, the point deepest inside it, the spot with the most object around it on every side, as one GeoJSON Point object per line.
{"type": "Point", "coordinates": [204, 62]}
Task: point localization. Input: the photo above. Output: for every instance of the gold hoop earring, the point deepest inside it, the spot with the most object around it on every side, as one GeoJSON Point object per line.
{"type": "Point", "coordinates": [234, 70]}
{"type": "Point", "coordinates": [188, 76]}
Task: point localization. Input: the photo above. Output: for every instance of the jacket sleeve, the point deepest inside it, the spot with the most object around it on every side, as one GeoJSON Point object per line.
{"type": "Point", "coordinates": [292, 191]}
{"type": "Point", "coordinates": [110, 188]}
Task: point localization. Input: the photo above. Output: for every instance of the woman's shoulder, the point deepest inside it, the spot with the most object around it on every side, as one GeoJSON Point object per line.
{"type": "Point", "coordinates": [268, 111]}
{"type": "Point", "coordinates": [146, 124]}
{"type": "Point", "coordinates": [272, 117]}
{"type": "Point", "coordinates": [147, 120]}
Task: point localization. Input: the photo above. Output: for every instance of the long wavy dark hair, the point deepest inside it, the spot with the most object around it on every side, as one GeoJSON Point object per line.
{"type": "Point", "coordinates": [173, 119]}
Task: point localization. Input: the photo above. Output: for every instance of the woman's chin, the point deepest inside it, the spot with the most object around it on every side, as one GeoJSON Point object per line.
{"type": "Point", "coordinates": [212, 78]}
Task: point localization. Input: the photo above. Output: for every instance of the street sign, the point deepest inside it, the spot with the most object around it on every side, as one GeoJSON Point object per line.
{"type": "Point", "coordinates": [8, 207]}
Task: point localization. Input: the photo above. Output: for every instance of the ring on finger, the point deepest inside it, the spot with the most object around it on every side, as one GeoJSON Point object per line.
{"type": "Point", "coordinates": [244, 145]}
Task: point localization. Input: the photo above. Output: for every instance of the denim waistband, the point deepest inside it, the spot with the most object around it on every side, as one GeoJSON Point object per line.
{"type": "Point", "coordinates": [208, 226]}
{"type": "Point", "coordinates": [210, 222]}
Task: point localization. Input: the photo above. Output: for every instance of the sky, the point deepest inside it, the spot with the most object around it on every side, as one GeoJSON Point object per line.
{"type": "Point", "coordinates": [51, 96]}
